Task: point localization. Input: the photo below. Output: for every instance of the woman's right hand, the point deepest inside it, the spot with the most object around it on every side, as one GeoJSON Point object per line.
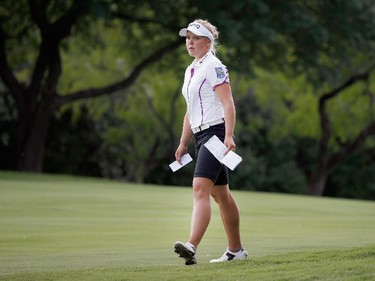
{"type": "Point", "coordinates": [181, 151]}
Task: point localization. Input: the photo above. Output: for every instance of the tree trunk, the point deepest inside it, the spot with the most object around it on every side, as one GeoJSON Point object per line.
{"type": "Point", "coordinates": [317, 182]}
{"type": "Point", "coordinates": [32, 131]}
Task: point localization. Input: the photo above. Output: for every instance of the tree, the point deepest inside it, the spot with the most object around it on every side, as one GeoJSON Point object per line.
{"type": "Point", "coordinates": [46, 24]}
{"type": "Point", "coordinates": [335, 125]}
{"type": "Point", "coordinates": [327, 41]}
{"type": "Point", "coordinates": [327, 161]}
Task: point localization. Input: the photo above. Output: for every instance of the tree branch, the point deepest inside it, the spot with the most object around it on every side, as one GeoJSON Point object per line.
{"type": "Point", "coordinates": [325, 121]}
{"type": "Point", "coordinates": [351, 147]}
{"type": "Point", "coordinates": [352, 80]}
{"type": "Point", "coordinates": [132, 18]}
{"type": "Point", "coordinates": [63, 25]}
{"type": "Point", "coordinates": [125, 83]}
{"type": "Point", "coordinates": [39, 17]}
{"type": "Point", "coordinates": [52, 34]}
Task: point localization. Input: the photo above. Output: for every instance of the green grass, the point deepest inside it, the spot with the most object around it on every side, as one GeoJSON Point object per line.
{"type": "Point", "coordinates": [71, 228]}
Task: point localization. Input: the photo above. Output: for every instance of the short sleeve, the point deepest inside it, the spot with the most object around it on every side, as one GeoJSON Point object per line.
{"type": "Point", "coordinates": [217, 74]}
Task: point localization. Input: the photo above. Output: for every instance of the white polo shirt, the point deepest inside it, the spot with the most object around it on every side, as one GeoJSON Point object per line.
{"type": "Point", "coordinates": [201, 79]}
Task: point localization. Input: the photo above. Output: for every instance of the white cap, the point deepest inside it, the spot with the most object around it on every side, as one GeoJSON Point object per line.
{"type": "Point", "coordinates": [198, 29]}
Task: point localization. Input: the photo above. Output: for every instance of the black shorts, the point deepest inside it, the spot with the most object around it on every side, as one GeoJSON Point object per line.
{"type": "Point", "coordinates": [207, 165]}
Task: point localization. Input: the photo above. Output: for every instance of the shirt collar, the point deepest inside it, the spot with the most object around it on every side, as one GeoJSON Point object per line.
{"type": "Point", "coordinates": [202, 60]}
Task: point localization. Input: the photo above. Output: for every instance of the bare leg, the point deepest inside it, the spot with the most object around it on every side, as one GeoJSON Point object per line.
{"type": "Point", "coordinates": [229, 215]}
{"type": "Point", "coordinates": [201, 209]}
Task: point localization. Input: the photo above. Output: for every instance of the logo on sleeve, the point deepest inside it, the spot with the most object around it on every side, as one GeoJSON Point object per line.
{"type": "Point", "coordinates": [220, 72]}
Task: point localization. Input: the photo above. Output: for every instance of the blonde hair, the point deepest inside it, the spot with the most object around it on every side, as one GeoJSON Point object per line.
{"type": "Point", "coordinates": [213, 29]}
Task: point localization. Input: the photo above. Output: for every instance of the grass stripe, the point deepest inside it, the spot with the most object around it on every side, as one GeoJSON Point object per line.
{"type": "Point", "coordinates": [72, 228]}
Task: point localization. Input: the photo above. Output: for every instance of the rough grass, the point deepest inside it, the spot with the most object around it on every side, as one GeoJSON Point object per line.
{"type": "Point", "coordinates": [71, 228]}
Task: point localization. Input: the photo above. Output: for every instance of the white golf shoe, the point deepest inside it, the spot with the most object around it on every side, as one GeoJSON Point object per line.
{"type": "Point", "coordinates": [230, 256]}
{"type": "Point", "coordinates": [186, 251]}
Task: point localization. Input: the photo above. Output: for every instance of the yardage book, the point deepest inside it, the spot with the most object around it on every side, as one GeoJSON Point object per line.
{"type": "Point", "coordinates": [218, 149]}
{"type": "Point", "coordinates": [185, 159]}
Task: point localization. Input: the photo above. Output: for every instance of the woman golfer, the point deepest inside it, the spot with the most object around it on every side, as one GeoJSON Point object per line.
{"type": "Point", "coordinates": [210, 111]}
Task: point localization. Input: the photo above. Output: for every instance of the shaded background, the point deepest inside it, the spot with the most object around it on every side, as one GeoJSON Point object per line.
{"type": "Point", "coordinates": [93, 88]}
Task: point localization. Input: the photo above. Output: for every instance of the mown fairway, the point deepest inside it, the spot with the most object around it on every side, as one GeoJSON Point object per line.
{"type": "Point", "coordinates": [68, 228]}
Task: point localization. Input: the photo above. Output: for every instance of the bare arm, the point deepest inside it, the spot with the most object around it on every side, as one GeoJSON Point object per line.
{"type": "Point", "coordinates": [225, 94]}
{"type": "Point", "coordinates": [185, 139]}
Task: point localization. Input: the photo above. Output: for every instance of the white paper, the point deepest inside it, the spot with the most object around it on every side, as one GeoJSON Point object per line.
{"type": "Point", "coordinates": [218, 149]}
{"type": "Point", "coordinates": [231, 160]}
{"type": "Point", "coordinates": [185, 159]}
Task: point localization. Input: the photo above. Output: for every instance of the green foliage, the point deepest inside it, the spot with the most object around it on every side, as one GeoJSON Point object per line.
{"type": "Point", "coordinates": [8, 133]}
{"type": "Point", "coordinates": [136, 129]}
{"type": "Point", "coordinates": [127, 121]}
{"type": "Point", "coordinates": [282, 55]}
{"type": "Point", "coordinates": [16, 45]}
{"type": "Point", "coordinates": [269, 126]}
{"type": "Point", "coordinates": [352, 111]}
{"type": "Point", "coordinates": [289, 103]}
{"type": "Point", "coordinates": [305, 30]}
{"type": "Point", "coordinates": [97, 60]}
{"type": "Point", "coordinates": [355, 178]}
{"type": "Point", "coordinates": [289, 107]}
{"type": "Point", "coordinates": [267, 166]}
{"type": "Point", "coordinates": [71, 146]}
{"type": "Point", "coordinates": [278, 133]}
